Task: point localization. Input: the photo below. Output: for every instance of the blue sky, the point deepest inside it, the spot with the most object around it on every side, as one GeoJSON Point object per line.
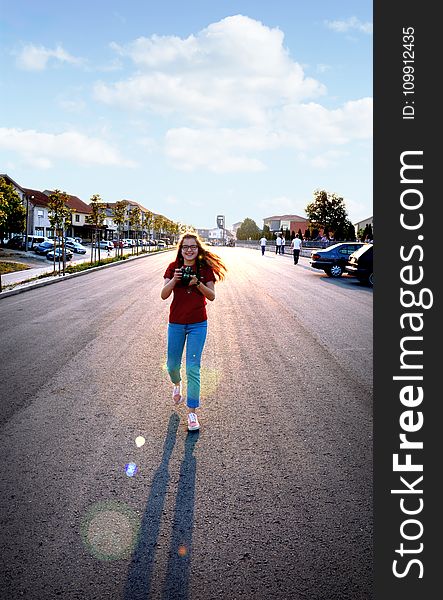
{"type": "Point", "coordinates": [192, 109]}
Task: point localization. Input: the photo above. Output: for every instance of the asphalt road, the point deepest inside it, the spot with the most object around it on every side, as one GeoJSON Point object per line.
{"type": "Point", "coordinates": [272, 499]}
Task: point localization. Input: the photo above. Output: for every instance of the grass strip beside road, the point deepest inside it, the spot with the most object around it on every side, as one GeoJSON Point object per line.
{"type": "Point", "coordinates": [11, 267]}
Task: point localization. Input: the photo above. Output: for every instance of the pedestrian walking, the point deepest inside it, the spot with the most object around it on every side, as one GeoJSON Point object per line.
{"type": "Point", "coordinates": [278, 244]}
{"type": "Point", "coordinates": [190, 278]}
{"type": "Point", "coordinates": [283, 244]}
{"type": "Point", "coordinates": [296, 245]}
{"type": "Point", "coordinates": [263, 245]}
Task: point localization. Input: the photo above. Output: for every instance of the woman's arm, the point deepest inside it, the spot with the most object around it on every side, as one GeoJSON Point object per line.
{"type": "Point", "coordinates": [170, 284]}
{"type": "Point", "coordinates": [207, 289]}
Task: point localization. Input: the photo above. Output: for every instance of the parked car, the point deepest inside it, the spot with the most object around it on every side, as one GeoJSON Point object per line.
{"type": "Point", "coordinates": [360, 264]}
{"type": "Point", "coordinates": [161, 244]}
{"type": "Point", "coordinates": [67, 239]}
{"type": "Point", "coordinates": [59, 254]}
{"type": "Point", "coordinates": [76, 247]}
{"type": "Point", "coordinates": [106, 245]}
{"type": "Point", "coordinates": [44, 247]}
{"type": "Point", "coordinates": [18, 241]}
{"type": "Point", "coordinates": [333, 260]}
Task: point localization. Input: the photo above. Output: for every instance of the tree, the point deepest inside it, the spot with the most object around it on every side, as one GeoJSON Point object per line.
{"type": "Point", "coordinates": [147, 220]}
{"type": "Point", "coordinates": [96, 218]}
{"type": "Point", "coordinates": [134, 215]}
{"type": "Point", "coordinates": [328, 212]}
{"type": "Point", "coordinates": [345, 232]}
{"type": "Point", "coordinates": [367, 233]}
{"type": "Point", "coordinates": [13, 212]}
{"type": "Point", "coordinates": [248, 230]}
{"type": "Point", "coordinates": [266, 232]}
{"type": "Point", "coordinates": [60, 217]}
{"type": "Point", "coordinates": [119, 217]}
{"type": "Point", "coordinates": [158, 224]}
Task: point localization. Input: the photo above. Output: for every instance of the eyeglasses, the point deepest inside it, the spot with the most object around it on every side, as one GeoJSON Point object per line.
{"type": "Point", "coordinates": [186, 248]}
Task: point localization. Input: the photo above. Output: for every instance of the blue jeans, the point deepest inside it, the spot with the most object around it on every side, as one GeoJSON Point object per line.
{"type": "Point", "coordinates": [194, 335]}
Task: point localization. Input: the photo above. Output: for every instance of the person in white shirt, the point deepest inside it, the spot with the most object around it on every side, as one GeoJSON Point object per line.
{"type": "Point", "coordinates": [283, 243]}
{"type": "Point", "coordinates": [263, 245]}
{"type": "Point", "coordinates": [296, 246]}
{"type": "Point", "coordinates": [278, 244]}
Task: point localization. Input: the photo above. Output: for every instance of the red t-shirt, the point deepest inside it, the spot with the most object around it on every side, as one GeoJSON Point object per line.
{"type": "Point", "coordinates": [188, 304]}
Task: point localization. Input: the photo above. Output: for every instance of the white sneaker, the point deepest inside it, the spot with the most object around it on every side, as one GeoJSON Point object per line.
{"type": "Point", "coordinates": [193, 423]}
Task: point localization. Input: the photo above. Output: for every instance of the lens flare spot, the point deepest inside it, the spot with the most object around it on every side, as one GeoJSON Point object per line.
{"type": "Point", "coordinates": [110, 530]}
{"type": "Point", "coordinates": [139, 441]}
{"type": "Point", "coordinates": [131, 469]}
{"type": "Point", "coordinates": [210, 379]}
{"type": "Point", "coordinates": [182, 551]}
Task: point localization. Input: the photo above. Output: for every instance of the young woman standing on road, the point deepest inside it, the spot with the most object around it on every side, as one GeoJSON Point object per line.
{"type": "Point", "coordinates": [187, 315]}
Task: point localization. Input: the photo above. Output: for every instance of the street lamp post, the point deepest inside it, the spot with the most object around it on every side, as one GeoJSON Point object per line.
{"type": "Point", "coordinates": [27, 217]}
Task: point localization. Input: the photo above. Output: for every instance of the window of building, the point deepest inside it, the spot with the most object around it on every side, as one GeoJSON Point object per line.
{"type": "Point", "coordinates": [40, 213]}
{"type": "Point", "coordinates": [77, 218]}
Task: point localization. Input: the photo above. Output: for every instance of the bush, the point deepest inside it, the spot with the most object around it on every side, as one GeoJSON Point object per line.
{"type": "Point", "coordinates": [98, 263]}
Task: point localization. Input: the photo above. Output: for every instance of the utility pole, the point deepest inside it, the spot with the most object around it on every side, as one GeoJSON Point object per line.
{"type": "Point", "coordinates": [27, 213]}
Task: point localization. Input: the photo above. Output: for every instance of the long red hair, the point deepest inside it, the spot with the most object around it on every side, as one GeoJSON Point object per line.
{"type": "Point", "coordinates": [205, 256]}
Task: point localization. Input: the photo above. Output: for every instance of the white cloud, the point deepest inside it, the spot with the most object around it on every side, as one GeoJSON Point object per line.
{"type": "Point", "coordinates": [235, 70]}
{"type": "Point", "coordinates": [218, 150]}
{"type": "Point", "coordinates": [36, 58]}
{"type": "Point", "coordinates": [233, 92]}
{"type": "Point", "coordinates": [312, 125]}
{"type": "Point", "coordinates": [281, 204]}
{"type": "Point", "coordinates": [322, 68]}
{"type": "Point", "coordinates": [327, 159]}
{"type": "Point", "coordinates": [350, 24]}
{"type": "Point", "coordinates": [45, 149]}
{"type": "Point", "coordinates": [318, 134]}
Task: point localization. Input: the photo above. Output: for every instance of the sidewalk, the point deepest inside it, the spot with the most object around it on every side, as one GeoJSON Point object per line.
{"type": "Point", "coordinates": [24, 280]}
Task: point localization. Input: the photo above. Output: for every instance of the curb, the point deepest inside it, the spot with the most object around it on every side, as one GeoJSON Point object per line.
{"type": "Point", "coordinates": [24, 286]}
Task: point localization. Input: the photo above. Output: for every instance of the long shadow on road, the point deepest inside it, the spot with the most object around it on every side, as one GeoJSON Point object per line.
{"type": "Point", "coordinates": [140, 575]}
{"type": "Point", "coordinates": [176, 583]}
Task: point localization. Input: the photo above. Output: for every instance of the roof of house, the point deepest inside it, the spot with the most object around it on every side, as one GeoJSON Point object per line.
{"type": "Point", "coordinates": [7, 178]}
{"type": "Point", "coordinates": [285, 218]}
{"type": "Point", "coordinates": [39, 198]}
{"type": "Point", "coordinates": [74, 203]}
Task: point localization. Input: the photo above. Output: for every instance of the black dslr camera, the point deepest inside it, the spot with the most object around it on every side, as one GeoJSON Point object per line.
{"type": "Point", "coordinates": [187, 274]}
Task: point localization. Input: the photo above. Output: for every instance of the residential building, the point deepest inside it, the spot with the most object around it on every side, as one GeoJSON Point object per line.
{"type": "Point", "coordinates": [20, 191]}
{"type": "Point", "coordinates": [362, 224]}
{"type": "Point", "coordinates": [80, 211]}
{"type": "Point", "coordinates": [235, 226]}
{"type": "Point", "coordinates": [291, 222]}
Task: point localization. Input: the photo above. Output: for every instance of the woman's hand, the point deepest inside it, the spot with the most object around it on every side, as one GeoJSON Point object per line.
{"type": "Point", "coordinates": [194, 280]}
{"type": "Point", "coordinates": [177, 276]}
{"type": "Point", "coordinates": [169, 284]}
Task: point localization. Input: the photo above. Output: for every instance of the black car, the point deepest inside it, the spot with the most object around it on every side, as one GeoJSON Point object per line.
{"type": "Point", "coordinates": [360, 264]}
{"type": "Point", "coordinates": [59, 254]}
{"type": "Point", "coordinates": [17, 242]}
{"type": "Point", "coordinates": [333, 260]}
